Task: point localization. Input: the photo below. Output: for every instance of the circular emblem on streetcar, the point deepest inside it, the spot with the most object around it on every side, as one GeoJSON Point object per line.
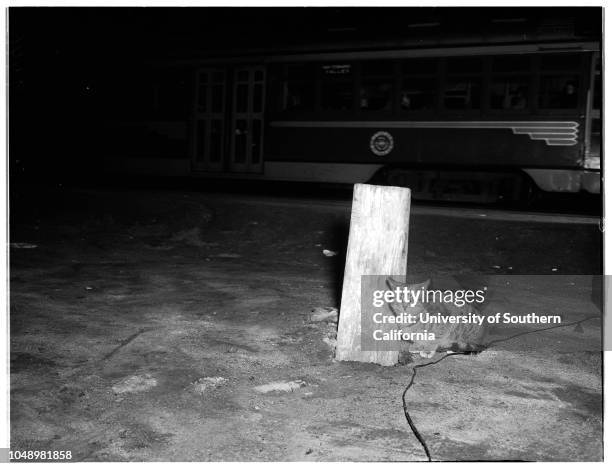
{"type": "Point", "coordinates": [381, 143]}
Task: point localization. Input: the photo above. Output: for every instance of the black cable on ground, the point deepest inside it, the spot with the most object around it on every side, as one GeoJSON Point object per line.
{"type": "Point", "coordinates": [407, 415]}
{"type": "Point", "coordinates": [413, 427]}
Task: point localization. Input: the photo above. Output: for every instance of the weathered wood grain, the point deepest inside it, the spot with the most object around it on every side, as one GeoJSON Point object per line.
{"type": "Point", "coordinates": [377, 245]}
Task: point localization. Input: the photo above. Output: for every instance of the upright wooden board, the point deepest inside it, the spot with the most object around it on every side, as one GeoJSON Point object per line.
{"type": "Point", "coordinates": [377, 245]}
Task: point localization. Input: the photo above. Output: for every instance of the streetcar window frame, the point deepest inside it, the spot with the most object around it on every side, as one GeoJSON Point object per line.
{"type": "Point", "coordinates": [373, 81]}
{"type": "Point", "coordinates": [509, 67]}
{"type": "Point", "coordinates": [462, 69]}
{"type": "Point", "coordinates": [308, 81]}
{"type": "Point", "coordinates": [414, 69]}
{"type": "Point", "coordinates": [579, 72]}
{"type": "Point", "coordinates": [336, 78]}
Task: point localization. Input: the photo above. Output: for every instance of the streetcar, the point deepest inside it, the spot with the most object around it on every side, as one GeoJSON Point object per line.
{"type": "Point", "coordinates": [453, 122]}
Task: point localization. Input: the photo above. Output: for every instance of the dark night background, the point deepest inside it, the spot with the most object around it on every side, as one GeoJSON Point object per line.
{"type": "Point", "coordinates": [75, 71]}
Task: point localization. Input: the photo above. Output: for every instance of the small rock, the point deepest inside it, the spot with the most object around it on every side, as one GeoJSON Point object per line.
{"type": "Point", "coordinates": [282, 386]}
{"type": "Point", "coordinates": [135, 384]}
{"type": "Point", "coordinates": [328, 253]}
{"type": "Point", "coordinates": [208, 382]}
{"type": "Point", "coordinates": [328, 314]}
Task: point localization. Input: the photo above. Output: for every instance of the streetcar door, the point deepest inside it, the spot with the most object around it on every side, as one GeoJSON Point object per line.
{"type": "Point", "coordinates": [246, 123]}
{"type": "Point", "coordinates": [208, 142]}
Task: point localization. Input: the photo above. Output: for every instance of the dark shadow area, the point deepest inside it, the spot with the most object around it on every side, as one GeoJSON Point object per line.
{"type": "Point", "coordinates": [339, 239]}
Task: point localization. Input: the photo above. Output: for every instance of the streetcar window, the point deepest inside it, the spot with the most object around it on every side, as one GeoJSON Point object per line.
{"type": "Point", "coordinates": [419, 87]}
{"type": "Point", "coordinates": [462, 86]}
{"type": "Point", "coordinates": [218, 91]}
{"type": "Point", "coordinates": [511, 93]}
{"type": "Point", "coordinates": [376, 90]}
{"type": "Point", "coordinates": [211, 91]}
{"type": "Point", "coordinates": [559, 81]}
{"type": "Point", "coordinates": [462, 93]}
{"type": "Point", "coordinates": [337, 96]}
{"type": "Point", "coordinates": [559, 92]}
{"type": "Point", "coordinates": [257, 97]}
{"type": "Point", "coordinates": [299, 96]}
{"type": "Point", "coordinates": [298, 89]}
{"type": "Point", "coordinates": [242, 97]}
{"type": "Point", "coordinates": [418, 94]}
{"type": "Point", "coordinates": [216, 139]}
{"type": "Point", "coordinates": [240, 141]}
{"type": "Point", "coordinates": [337, 87]}
{"type": "Point", "coordinates": [256, 141]}
{"type": "Point", "coordinates": [375, 94]}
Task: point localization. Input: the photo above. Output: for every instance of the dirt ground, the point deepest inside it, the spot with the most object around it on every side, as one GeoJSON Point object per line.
{"type": "Point", "coordinates": [152, 326]}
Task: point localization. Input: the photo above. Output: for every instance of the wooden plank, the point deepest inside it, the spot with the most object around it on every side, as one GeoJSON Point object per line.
{"type": "Point", "coordinates": [377, 245]}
